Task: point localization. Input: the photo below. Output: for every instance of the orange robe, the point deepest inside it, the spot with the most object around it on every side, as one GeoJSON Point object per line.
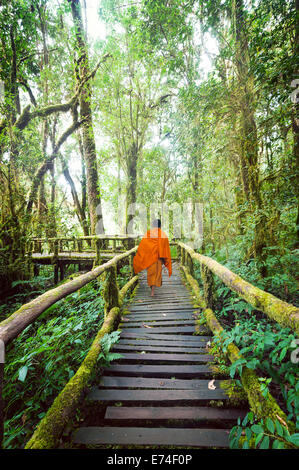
{"type": "Point", "coordinates": [153, 246]}
{"type": "Point", "coordinates": [154, 274]}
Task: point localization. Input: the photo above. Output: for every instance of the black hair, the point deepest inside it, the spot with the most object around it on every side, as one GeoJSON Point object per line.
{"type": "Point", "coordinates": [156, 223]}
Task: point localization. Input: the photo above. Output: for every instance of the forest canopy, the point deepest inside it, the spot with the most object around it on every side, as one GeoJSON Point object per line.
{"type": "Point", "coordinates": [105, 104]}
{"type": "Point", "coordinates": [114, 113]}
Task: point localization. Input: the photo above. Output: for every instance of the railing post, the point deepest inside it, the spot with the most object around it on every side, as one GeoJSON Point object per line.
{"type": "Point", "coordinates": [189, 263]}
{"type": "Point", "coordinates": [29, 255]}
{"type": "Point", "coordinates": [178, 250]}
{"type": "Point", "coordinates": [131, 265]}
{"type": "Point", "coordinates": [208, 285]}
{"type": "Point", "coordinates": [55, 260]}
{"type": "Point", "coordinates": [183, 256]}
{"type": "Point", "coordinates": [111, 293]}
{"type": "Point", "coordinates": [98, 248]}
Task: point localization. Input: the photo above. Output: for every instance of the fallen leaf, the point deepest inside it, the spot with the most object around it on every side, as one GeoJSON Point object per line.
{"type": "Point", "coordinates": [146, 326]}
{"type": "Point", "coordinates": [24, 418]}
{"type": "Point", "coordinates": [211, 385]}
{"type": "Point", "coordinates": [281, 420]}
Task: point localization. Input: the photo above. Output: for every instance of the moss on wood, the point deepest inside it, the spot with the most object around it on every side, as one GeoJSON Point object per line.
{"type": "Point", "coordinates": [49, 430]}
{"type": "Point", "coordinates": [262, 406]}
{"type": "Point", "coordinates": [284, 313]}
{"type": "Point", "coordinates": [20, 319]}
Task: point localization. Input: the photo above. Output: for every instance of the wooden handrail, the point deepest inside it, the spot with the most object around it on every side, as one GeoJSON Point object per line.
{"type": "Point", "coordinates": [282, 312]}
{"type": "Point", "coordinates": [50, 428]}
{"type": "Point", "coordinates": [263, 406]}
{"type": "Point", "coordinates": [24, 316]}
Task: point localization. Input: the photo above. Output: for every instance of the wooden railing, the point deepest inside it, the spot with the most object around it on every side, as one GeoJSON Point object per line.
{"type": "Point", "coordinates": [263, 406]}
{"type": "Point", "coordinates": [12, 326]}
{"type": "Point", "coordinates": [282, 312]}
{"type": "Point", "coordinates": [95, 243]}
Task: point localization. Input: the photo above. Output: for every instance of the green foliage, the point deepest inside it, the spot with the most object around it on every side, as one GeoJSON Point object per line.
{"type": "Point", "coordinates": [263, 434]}
{"type": "Point", "coordinates": [268, 350]}
{"type": "Point", "coordinates": [106, 343]}
{"type": "Point", "coordinates": [45, 356]}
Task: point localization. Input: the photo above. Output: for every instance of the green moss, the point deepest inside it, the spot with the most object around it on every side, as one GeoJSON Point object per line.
{"type": "Point", "coordinates": [51, 426]}
{"type": "Point", "coordinates": [216, 403]}
{"type": "Point", "coordinates": [237, 395]}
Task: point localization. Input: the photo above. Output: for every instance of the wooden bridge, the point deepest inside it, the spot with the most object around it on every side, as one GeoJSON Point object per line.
{"type": "Point", "coordinates": [84, 252]}
{"type": "Point", "coordinates": [166, 382]}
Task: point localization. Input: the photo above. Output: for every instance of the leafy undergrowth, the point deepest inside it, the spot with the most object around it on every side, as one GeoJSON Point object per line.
{"type": "Point", "coordinates": [22, 292]}
{"type": "Point", "coordinates": [266, 347]}
{"type": "Point", "coordinates": [44, 357]}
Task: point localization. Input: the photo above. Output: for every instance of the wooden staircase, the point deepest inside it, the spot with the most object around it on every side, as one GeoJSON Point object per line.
{"type": "Point", "coordinates": [158, 394]}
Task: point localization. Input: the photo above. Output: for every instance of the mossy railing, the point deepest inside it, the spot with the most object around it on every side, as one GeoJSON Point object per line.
{"type": "Point", "coordinates": [282, 312]}
{"type": "Point", "coordinates": [262, 406]}
{"type": "Point", "coordinates": [52, 425]}
{"type": "Point", "coordinates": [21, 318]}
{"type": "Point", "coordinates": [60, 251]}
{"type": "Point", "coordinates": [92, 243]}
{"type": "Point", "coordinates": [50, 429]}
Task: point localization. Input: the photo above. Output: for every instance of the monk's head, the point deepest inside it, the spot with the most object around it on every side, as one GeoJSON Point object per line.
{"type": "Point", "coordinates": [156, 223]}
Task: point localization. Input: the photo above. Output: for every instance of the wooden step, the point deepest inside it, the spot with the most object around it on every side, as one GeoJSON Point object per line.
{"type": "Point", "coordinates": [156, 330]}
{"type": "Point", "coordinates": [170, 357]}
{"type": "Point", "coordinates": [159, 317]}
{"type": "Point", "coordinates": [152, 436]}
{"type": "Point", "coordinates": [158, 370]}
{"type": "Point", "coordinates": [140, 347]}
{"type": "Point", "coordinates": [174, 396]}
{"type": "Point", "coordinates": [192, 413]}
{"type": "Point", "coordinates": [141, 382]}
{"type": "Point", "coordinates": [153, 323]}
{"type": "Point", "coordinates": [197, 343]}
{"type": "Point", "coordinates": [138, 334]}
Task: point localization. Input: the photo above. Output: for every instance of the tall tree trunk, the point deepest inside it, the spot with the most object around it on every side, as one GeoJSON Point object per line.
{"type": "Point", "coordinates": [80, 212]}
{"type": "Point", "coordinates": [93, 193]}
{"type": "Point", "coordinates": [131, 161]}
{"type": "Point", "coordinates": [249, 142]}
{"type": "Point", "coordinates": [295, 120]}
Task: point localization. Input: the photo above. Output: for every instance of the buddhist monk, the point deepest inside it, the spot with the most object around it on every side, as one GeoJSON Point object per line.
{"type": "Point", "coordinates": [153, 252]}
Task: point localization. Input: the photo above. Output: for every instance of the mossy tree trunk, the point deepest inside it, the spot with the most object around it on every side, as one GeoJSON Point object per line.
{"type": "Point", "coordinates": [295, 121]}
{"type": "Point", "coordinates": [89, 147]}
{"type": "Point", "coordinates": [249, 164]}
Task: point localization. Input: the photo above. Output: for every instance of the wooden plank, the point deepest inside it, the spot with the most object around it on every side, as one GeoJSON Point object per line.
{"type": "Point", "coordinates": [166, 357]}
{"type": "Point", "coordinates": [139, 348]}
{"type": "Point", "coordinates": [158, 370]}
{"type": "Point", "coordinates": [197, 343]}
{"type": "Point", "coordinates": [175, 413]}
{"type": "Point", "coordinates": [164, 308]}
{"type": "Point", "coordinates": [159, 317]}
{"type": "Point", "coordinates": [145, 395]}
{"type": "Point", "coordinates": [152, 436]}
{"type": "Point", "coordinates": [141, 382]}
{"type": "Point", "coordinates": [152, 322]}
{"type": "Point", "coordinates": [145, 335]}
{"type": "Point", "coordinates": [181, 329]}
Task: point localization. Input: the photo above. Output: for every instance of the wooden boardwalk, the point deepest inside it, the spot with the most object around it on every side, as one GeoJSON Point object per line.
{"type": "Point", "coordinates": [158, 394]}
